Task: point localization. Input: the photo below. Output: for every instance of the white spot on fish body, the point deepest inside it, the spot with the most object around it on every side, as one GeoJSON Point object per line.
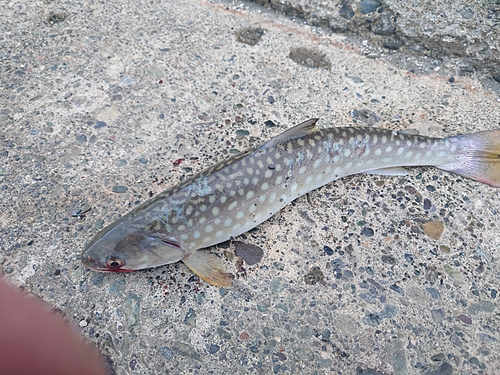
{"type": "Point", "coordinates": [265, 186]}
{"type": "Point", "coordinates": [347, 152]}
{"type": "Point", "coordinates": [348, 165]}
{"type": "Point", "coordinates": [269, 160]}
{"type": "Point", "coordinates": [375, 139]}
{"type": "Point", "coordinates": [384, 139]}
{"type": "Point", "coordinates": [250, 171]}
{"type": "Point", "coordinates": [232, 206]}
{"type": "Point", "coordinates": [211, 198]}
{"type": "Point", "coordinates": [453, 148]}
{"type": "Point", "coordinates": [202, 220]}
{"type": "Point", "coordinates": [219, 233]}
{"type": "Point", "coordinates": [378, 152]}
{"type": "Point", "coordinates": [302, 169]}
{"type": "Point", "coordinates": [279, 180]}
{"type": "Point", "coordinates": [388, 149]}
{"type": "Point", "coordinates": [228, 222]}
{"type": "Point", "coordinates": [241, 191]}
{"type": "Point", "coordinates": [398, 143]}
{"type": "Point", "coordinates": [268, 173]}
{"type": "Point", "coordinates": [300, 142]}
{"type": "Point", "coordinates": [294, 187]}
{"type": "Point", "coordinates": [428, 153]}
{"type": "Point", "coordinates": [262, 198]}
{"type": "Point", "coordinates": [277, 156]}
{"type": "Point", "coordinates": [184, 236]}
{"type": "Point", "coordinates": [319, 177]}
{"type": "Point", "coordinates": [255, 181]}
{"type": "Point", "coordinates": [317, 163]}
{"type": "Point", "coordinates": [409, 154]}
{"type": "Point", "coordinates": [223, 199]}
{"type": "Point", "coordinates": [209, 229]}
{"type": "Point", "coordinates": [240, 215]}
{"type": "Point", "coordinates": [423, 145]}
{"type": "Point", "coordinates": [312, 142]}
{"type": "Point", "coordinates": [400, 150]}
{"type": "Point", "coordinates": [215, 211]}
{"type": "Point", "coordinates": [217, 221]}
{"type": "Point", "coordinates": [196, 234]}
{"type": "Point", "coordinates": [181, 227]}
{"type": "Point", "coordinates": [246, 181]}
{"type": "Point", "coordinates": [277, 167]}
{"type": "Point", "coordinates": [260, 164]}
{"type": "Point", "coordinates": [272, 198]}
{"type": "Point", "coordinates": [250, 194]}
{"type": "Point", "coordinates": [408, 143]}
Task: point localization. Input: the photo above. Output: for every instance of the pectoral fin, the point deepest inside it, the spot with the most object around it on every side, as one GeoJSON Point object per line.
{"type": "Point", "coordinates": [209, 268]}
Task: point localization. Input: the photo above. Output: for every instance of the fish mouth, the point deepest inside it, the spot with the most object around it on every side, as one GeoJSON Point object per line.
{"type": "Point", "coordinates": [96, 265]}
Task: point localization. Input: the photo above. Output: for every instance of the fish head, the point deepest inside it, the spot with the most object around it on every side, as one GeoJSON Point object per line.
{"type": "Point", "coordinates": [127, 247]}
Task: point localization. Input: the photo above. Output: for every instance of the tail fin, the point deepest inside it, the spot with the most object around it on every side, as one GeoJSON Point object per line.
{"type": "Point", "coordinates": [480, 157]}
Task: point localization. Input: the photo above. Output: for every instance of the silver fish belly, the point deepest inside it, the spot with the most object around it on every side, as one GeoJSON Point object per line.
{"type": "Point", "coordinates": [243, 191]}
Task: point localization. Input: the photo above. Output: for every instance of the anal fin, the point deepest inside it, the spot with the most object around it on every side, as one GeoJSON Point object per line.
{"type": "Point", "coordinates": [209, 268]}
{"type": "Point", "coordinates": [391, 171]}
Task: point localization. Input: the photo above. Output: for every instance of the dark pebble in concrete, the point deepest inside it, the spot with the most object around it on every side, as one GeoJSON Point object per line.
{"type": "Point", "coordinates": [496, 76]}
{"type": "Point", "coordinates": [434, 293]}
{"type": "Point", "coordinates": [368, 232]}
{"type": "Point", "coordinates": [384, 25]}
{"type": "Point", "coordinates": [99, 124]}
{"type": "Point", "coordinates": [393, 46]}
{"type": "Point", "coordinates": [397, 289]}
{"type": "Point", "coordinates": [270, 124]}
{"type": "Point", "coordinates": [365, 116]}
{"type": "Point", "coordinates": [328, 250]}
{"type": "Point", "coordinates": [214, 349]}
{"type": "Point", "coordinates": [437, 357]}
{"type": "Point", "coordinates": [251, 254]}
{"type": "Point", "coordinates": [465, 319]}
{"type": "Point", "coordinates": [368, 6]}
{"type": "Point", "coordinates": [250, 35]}
{"type": "Point", "coordinates": [82, 138]}
{"type": "Point", "coordinates": [444, 369]}
{"type": "Point", "coordinates": [166, 352]}
{"type": "Point", "coordinates": [143, 160]}
{"type": "Point", "coordinates": [99, 223]}
{"type": "Point", "coordinates": [367, 371]}
{"type": "Point", "coordinates": [119, 189]}
{"type": "Point", "coordinates": [346, 10]}
{"type": "Point", "coordinates": [310, 58]}
{"type": "Point", "coordinates": [389, 259]}
{"type": "Point", "coordinates": [314, 276]}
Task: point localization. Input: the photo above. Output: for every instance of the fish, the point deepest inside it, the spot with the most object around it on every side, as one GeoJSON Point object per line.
{"type": "Point", "coordinates": [242, 191]}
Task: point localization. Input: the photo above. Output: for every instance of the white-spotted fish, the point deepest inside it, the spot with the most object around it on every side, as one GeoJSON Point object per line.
{"type": "Point", "coordinates": [242, 191]}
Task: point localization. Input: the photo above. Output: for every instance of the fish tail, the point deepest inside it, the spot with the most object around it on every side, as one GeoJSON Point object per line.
{"type": "Point", "coordinates": [478, 158]}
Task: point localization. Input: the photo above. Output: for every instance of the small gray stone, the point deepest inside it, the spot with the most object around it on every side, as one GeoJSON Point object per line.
{"type": "Point", "coordinates": [166, 352]}
{"type": "Point", "coordinates": [119, 189]}
{"type": "Point", "coordinates": [434, 293]}
{"type": "Point", "coordinates": [346, 10]}
{"type": "Point", "coordinates": [444, 369]}
{"type": "Point", "coordinates": [277, 284]}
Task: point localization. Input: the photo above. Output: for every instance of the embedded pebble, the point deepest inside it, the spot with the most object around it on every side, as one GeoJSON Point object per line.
{"type": "Point", "coordinates": [434, 229]}
{"type": "Point", "coordinates": [251, 254]}
{"type": "Point", "coordinates": [119, 189]}
{"type": "Point", "coordinates": [250, 35]}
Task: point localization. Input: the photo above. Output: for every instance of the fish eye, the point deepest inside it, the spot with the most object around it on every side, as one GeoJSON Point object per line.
{"type": "Point", "coordinates": [114, 263]}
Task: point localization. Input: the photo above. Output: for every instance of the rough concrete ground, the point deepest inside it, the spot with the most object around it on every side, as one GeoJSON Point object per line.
{"type": "Point", "coordinates": [101, 100]}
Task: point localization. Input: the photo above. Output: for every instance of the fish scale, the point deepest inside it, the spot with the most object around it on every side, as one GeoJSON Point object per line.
{"type": "Point", "coordinates": [243, 191]}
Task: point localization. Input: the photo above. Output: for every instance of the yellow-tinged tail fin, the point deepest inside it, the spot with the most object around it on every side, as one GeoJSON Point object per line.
{"type": "Point", "coordinates": [480, 157]}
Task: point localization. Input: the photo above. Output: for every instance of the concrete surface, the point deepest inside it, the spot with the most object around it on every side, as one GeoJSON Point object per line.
{"type": "Point", "coordinates": [99, 101]}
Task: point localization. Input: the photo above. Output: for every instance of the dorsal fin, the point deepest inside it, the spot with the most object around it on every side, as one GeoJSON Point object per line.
{"type": "Point", "coordinates": [300, 130]}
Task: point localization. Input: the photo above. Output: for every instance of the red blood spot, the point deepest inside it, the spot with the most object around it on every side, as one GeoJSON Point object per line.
{"type": "Point", "coordinates": [113, 137]}
{"type": "Point", "coordinates": [178, 161]}
{"type": "Point", "coordinates": [244, 336]}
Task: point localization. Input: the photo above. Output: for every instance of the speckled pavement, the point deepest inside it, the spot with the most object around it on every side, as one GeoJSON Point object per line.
{"type": "Point", "coordinates": [104, 104]}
